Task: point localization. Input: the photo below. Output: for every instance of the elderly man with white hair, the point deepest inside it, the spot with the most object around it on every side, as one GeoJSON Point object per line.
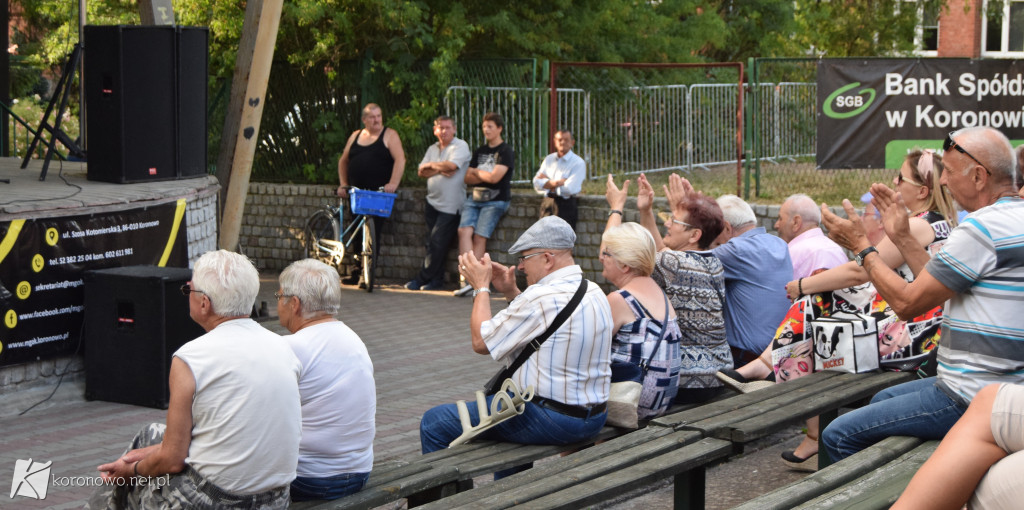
{"type": "Point", "coordinates": [233, 421]}
{"type": "Point", "coordinates": [336, 385]}
{"type": "Point", "coordinates": [757, 268]}
{"type": "Point", "coordinates": [809, 248]}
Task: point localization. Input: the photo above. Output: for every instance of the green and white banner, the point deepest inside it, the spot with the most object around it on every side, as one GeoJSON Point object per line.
{"type": "Point", "coordinates": [872, 111]}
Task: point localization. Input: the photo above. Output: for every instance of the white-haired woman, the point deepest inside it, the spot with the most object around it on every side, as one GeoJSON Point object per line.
{"type": "Point", "coordinates": [641, 312]}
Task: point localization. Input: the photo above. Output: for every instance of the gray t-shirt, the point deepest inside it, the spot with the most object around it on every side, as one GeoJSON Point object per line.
{"type": "Point", "coordinates": [447, 194]}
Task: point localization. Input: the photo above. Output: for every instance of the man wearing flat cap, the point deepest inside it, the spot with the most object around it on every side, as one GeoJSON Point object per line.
{"type": "Point", "coordinates": [570, 371]}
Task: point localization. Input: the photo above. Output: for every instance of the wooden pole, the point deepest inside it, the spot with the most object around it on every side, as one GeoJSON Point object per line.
{"type": "Point", "coordinates": [245, 108]}
{"type": "Point", "coordinates": [156, 12]}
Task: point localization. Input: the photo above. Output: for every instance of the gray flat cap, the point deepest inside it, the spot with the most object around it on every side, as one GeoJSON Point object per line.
{"type": "Point", "coordinates": [550, 232]}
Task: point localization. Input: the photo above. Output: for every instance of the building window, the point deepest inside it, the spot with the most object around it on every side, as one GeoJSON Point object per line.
{"type": "Point", "coordinates": [929, 30]}
{"type": "Point", "coordinates": [1004, 30]}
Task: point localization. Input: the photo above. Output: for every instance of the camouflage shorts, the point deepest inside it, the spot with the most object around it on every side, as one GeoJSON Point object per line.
{"type": "Point", "coordinates": [185, 490]}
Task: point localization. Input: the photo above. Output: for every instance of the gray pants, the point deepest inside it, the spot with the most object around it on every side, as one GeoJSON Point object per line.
{"type": "Point", "coordinates": [185, 490]}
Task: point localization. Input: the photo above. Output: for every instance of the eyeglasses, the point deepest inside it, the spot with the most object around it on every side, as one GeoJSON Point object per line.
{"type": "Point", "coordinates": [186, 290]}
{"type": "Point", "coordinates": [524, 257]}
{"type": "Point", "coordinates": [900, 179]}
{"type": "Point", "coordinates": [950, 144]}
{"type": "Point", "coordinates": [683, 223]}
{"type": "Point", "coordinates": [278, 295]}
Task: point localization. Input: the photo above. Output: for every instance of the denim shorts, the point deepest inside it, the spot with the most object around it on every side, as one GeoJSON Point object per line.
{"type": "Point", "coordinates": [332, 487]}
{"type": "Point", "coordinates": [483, 216]}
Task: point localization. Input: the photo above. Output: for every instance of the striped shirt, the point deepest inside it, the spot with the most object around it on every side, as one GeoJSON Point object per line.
{"type": "Point", "coordinates": [983, 327]}
{"type": "Point", "coordinates": [572, 366]}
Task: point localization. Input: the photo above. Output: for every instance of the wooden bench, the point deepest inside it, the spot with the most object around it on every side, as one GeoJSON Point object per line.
{"type": "Point", "coordinates": [703, 435]}
{"type": "Point", "coordinates": [746, 417]}
{"type": "Point", "coordinates": [872, 478]}
{"type": "Point", "coordinates": [444, 472]}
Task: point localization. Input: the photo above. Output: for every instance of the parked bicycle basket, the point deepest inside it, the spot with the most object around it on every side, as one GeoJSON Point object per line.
{"type": "Point", "coordinates": [374, 203]}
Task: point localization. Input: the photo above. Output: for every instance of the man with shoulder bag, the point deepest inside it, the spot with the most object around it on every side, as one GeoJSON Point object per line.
{"type": "Point", "coordinates": [569, 371]}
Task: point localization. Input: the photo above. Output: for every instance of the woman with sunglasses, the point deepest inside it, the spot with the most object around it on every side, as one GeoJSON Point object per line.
{"type": "Point", "coordinates": [846, 288]}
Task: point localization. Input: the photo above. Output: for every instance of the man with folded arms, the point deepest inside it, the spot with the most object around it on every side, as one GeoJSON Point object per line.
{"type": "Point", "coordinates": [570, 371]}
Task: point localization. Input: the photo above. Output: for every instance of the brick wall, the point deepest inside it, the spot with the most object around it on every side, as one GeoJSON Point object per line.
{"type": "Point", "coordinates": [275, 216]}
{"type": "Point", "coordinates": [960, 29]}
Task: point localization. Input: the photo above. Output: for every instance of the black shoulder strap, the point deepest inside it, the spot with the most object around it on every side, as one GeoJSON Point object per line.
{"type": "Point", "coordinates": [536, 342]}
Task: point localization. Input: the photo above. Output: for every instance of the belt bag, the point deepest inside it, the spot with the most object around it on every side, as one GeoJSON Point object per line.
{"type": "Point", "coordinates": [483, 194]}
{"type": "Point", "coordinates": [845, 342]}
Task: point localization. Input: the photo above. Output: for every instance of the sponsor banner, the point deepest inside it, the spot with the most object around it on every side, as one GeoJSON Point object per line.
{"type": "Point", "coordinates": [873, 111]}
{"type": "Point", "coordinates": [42, 262]}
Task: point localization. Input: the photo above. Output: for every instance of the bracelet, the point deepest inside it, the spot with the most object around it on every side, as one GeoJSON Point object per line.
{"type": "Point", "coordinates": [135, 467]}
{"type": "Point", "coordinates": [481, 289]}
{"type": "Point", "coordinates": [800, 287]}
{"type": "Point", "coordinates": [615, 211]}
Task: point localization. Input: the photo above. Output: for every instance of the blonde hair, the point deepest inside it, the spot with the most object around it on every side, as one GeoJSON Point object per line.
{"type": "Point", "coordinates": [939, 199]}
{"type": "Point", "coordinates": [632, 245]}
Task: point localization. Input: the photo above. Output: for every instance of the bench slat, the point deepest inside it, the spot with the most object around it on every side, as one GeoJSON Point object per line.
{"type": "Point", "coordinates": [570, 473]}
{"type": "Point", "coordinates": [711, 426]}
{"type": "Point", "coordinates": [834, 476]}
{"type": "Point", "coordinates": [852, 389]}
{"type": "Point", "coordinates": [673, 463]}
{"type": "Point", "coordinates": [383, 493]}
{"type": "Point", "coordinates": [558, 467]}
{"type": "Point", "coordinates": [880, 488]}
{"type": "Point", "coordinates": [740, 401]}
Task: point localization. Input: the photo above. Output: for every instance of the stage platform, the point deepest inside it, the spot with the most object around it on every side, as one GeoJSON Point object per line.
{"type": "Point", "coordinates": [66, 190]}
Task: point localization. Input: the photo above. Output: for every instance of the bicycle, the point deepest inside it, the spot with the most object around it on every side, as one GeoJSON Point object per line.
{"type": "Point", "coordinates": [325, 241]}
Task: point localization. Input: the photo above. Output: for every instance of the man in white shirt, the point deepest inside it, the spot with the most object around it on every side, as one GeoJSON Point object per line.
{"type": "Point", "coordinates": [233, 419]}
{"type": "Point", "coordinates": [336, 384]}
{"type": "Point", "coordinates": [560, 179]}
{"type": "Point", "coordinates": [570, 372]}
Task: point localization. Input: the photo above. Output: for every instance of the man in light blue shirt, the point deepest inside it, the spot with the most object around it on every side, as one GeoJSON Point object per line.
{"type": "Point", "coordinates": [757, 269]}
{"type": "Point", "coordinates": [560, 179]}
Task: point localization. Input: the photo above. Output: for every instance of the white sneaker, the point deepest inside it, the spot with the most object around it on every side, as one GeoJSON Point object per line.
{"type": "Point", "coordinates": [464, 291]}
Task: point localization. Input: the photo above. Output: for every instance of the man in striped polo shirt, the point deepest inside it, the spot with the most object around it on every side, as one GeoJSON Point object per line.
{"type": "Point", "coordinates": [570, 372]}
{"type": "Point", "coordinates": [978, 274]}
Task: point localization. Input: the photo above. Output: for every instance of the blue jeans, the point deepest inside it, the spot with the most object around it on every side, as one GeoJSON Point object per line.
{"type": "Point", "coordinates": [331, 487]}
{"type": "Point", "coordinates": [441, 228]}
{"type": "Point", "coordinates": [916, 408]}
{"type": "Point", "coordinates": [537, 425]}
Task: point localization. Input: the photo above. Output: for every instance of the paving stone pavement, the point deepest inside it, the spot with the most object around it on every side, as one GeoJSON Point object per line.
{"type": "Point", "coordinates": [420, 347]}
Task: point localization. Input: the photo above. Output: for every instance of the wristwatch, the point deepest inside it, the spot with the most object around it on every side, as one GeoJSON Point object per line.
{"type": "Point", "coordinates": [482, 289]}
{"type": "Point", "coordinates": [860, 256]}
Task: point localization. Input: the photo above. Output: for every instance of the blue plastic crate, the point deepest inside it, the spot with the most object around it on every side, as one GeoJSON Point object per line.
{"type": "Point", "coordinates": [374, 203]}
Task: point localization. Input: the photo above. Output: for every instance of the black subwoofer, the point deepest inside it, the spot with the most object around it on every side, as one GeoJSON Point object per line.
{"type": "Point", "coordinates": [135, 318]}
{"type": "Point", "coordinates": [145, 96]}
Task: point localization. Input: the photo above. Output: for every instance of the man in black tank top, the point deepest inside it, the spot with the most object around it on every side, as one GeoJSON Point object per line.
{"type": "Point", "coordinates": [373, 159]}
{"type": "Point", "coordinates": [373, 156]}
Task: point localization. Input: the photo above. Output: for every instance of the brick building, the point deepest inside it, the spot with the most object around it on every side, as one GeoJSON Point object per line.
{"type": "Point", "coordinates": [964, 29]}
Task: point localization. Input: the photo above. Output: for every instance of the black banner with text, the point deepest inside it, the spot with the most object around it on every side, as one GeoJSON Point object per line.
{"type": "Point", "coordinates": [873, 111]}
{"type": "Point", "coordinates": [41, 266]}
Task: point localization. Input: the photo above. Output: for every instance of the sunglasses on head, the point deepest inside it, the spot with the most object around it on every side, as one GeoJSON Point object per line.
{"type": "Point", "coordinates": [950, 144]}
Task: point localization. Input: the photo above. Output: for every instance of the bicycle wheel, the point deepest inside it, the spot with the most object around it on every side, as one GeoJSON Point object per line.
{"type": "Point", "coordinates": [370, 247]}
{"type": "Point", "coordinates": [321, 238]}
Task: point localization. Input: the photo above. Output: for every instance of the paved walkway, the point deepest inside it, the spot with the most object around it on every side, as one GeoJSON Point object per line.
{"type": "Point", "coordinates": [422, 357]}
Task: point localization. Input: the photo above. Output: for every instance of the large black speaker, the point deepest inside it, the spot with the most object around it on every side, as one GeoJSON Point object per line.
{"type": "Point", "coordinates": [145, 97]}
{"type": "Point", "coordinates": [135, 318]}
